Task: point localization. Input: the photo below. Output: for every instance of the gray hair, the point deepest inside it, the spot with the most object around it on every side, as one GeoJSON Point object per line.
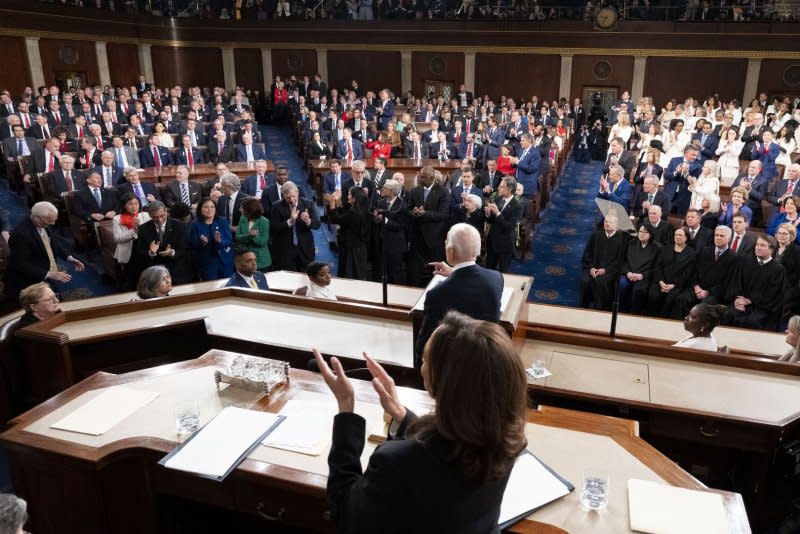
{"type": "Point", "coordinates": [107, 153]}
{"type": "Point", "coordinates": [288, 187]}
{"type": "Point", "coordinates": [149, 280]}
{"type": "Point", "coordinates": [652, 179]}
{"type": "Point", "coordinates": [43, 209]}
{"type": "Point", "coordinates": [13, 513]}
{"type": "Point", "coordinates": [393, 186]}
{"type": "Point", "coordinates": [616, 170]}
{"type": "Point", "coordinates": [725, 229]}
{"type": "Point", "coordinates": [358, 165]}
{"type": "Point", "coordinates": [230, 180]}
{"type": "Point", "coordinates": [465, 242]}
{"type": "Point", "coordinates": [154, 206]}
{"type": "Point", "coordinates": [475, 199]}
{"type": "Point", "coordinates": [67, 157]}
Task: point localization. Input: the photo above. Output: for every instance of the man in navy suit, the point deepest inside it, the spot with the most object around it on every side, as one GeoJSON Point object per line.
{"type": "Point", "coordinates": [465, 188]}
{"type": "Point", "coordinates": [188, 154]}
{"type": "Point", "coordinates": [756, 184]}
{"type": "Point", "coordinates": [334, 179]}
{"type": "Point", "coordinates": [111, 175]}
{"type": "Point", "coordinates": [472, 150]}
{"type": "Point", "coordinates": [63, 180]}
{"type": "Point", "coordinates": [676, 179]}
{"type": "Point", "coordinates": [146, 192]}
{"type": "Point", "coordinates": [503, 214]}
{"type": "Point", "coordinates": [649, 196]}
{"type": "Point", "coordinates": [442, 149]}
{"type": "Point", "coordinates": [348, 148]}
{"type": "Point", "coordinates": [249, 151]}
{"type": "Point", "coordinates": [615, 188]}
{"type": "Point", "coordinates": [255, 184]}
{"type": "Point", "coordinates": [246, 274]}
{"type": "Point", "coordinates": [385, 109]}
{"type": "Point", "coordinates": [193, 130]}
{"type": "Point", "coordinates": [527, 165]}
{"type": "Point", "coordinates": [708, 142]}
{"type": "Point", "coordinates": [468, 288]}
{"type": "Point", "coordinates": [154, 155]}
{"type": "Point", "coordinates": [94, 202]}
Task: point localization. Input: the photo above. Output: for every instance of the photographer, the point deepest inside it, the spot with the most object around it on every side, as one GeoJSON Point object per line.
{"type": "Point", "coordinates": [582, 153]}
{"type": "Point", "coordinates": [597, 141]}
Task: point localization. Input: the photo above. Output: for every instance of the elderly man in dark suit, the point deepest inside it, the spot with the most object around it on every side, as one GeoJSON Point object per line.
{"type": "Point", "coordinates": [94, 202]}
{"type": "Point", "coordinates": [146, 192]}
{"type": "Point", "coordinates": [33, 252]}
{"type": "Point", "coordinates": [163, 241]}
{"type": "Point", "coordinates": [292, 220]}
{"type": "Point", "coordinates": [63, 180]}
{"type": "Point", "coordinates": [429, 207]}
{"type": "Point", "coordinates": [220, 150]}
{"type": "Point", "coordinates": [649, 196]}
{"type": "Point", "coordinates": [182, 191]}
{"type": "Point", "coordinates": [391, 216]}
{"type": "Point", "coordinates": [503, 216]}
{"type": "Point", "coordinates": [469, 288]}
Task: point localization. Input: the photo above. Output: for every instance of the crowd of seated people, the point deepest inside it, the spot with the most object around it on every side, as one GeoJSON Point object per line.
{"type": "Point", "coordinates": [726, 183]}
{"type": "Point", "coordinates": [536, 10]}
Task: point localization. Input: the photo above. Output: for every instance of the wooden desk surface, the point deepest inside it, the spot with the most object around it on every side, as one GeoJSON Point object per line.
{"type": "Point", "coordinates": [568, 441]}
{"type": "Point", "coordinates": [199, 171]}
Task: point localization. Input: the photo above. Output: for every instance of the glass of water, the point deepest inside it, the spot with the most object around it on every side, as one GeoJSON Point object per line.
{"type": "Point", "coordinates": [187, 418]}
{"type": "Point", "coordinates": [538, 368]}
{"type": "Point", "coordinates": [594, 493]}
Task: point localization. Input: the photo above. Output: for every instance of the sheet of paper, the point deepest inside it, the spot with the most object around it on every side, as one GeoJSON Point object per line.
{"type": "Point", "coordinates": [530, 486]}
{"type": "Point", "coordinates": [106, 410]}
{"type": "Point", "coordinates": [660, 509]}
{"type": "Point", "coordinates": [220, 444]}
{"type": "Point", "coordinates": [306, 429]}
{"type": "Point", "coordinates": [505, 298]}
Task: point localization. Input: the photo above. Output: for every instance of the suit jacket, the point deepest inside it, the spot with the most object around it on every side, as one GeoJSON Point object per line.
{"type": "Point", "coordinates": [386, 114]}
{"type": "Point", "coordinates": [660, 199]}
{"type": "Point", "coordinates": [430, 226]}
{"type": "Point", "coordinates": [341, 149]}
{"type": "Point", "coordinates": [227, 155]}
{"type": "Point", "coordinates": [147, 188]}
{"type": "Point", "coordinates": [56, 185]}
{"type": "Point", "coordinates": [27, 261]}
{"type": "Point", "coordinates": [238, 281]}
{"type": "Point", "coordinates": [528, 172]}
{"type": "Point", "coordinates": [269, 196]}
{"type": "Point", "coordinates": [72, 131]}
{"type": "Point", "coordinates": [362, 502]}
{"type": "Point", "coordinates": [176, 236]}
{"type": "Point", "coordinates": [747, 245]}
{"type": "Point", "coordinates": [365, 182]}
{"type": "Point", "coordinates": [396, 226]}
{"type": "Point", "coordinates": [147, 160]}
{"type": "Point", "coordinates": [621, 195]}
{"type": "Point", "coordinates": [250, 184]}
{"type": "Point", "coordinates": [676, 185]}
{"type": "Point", "coordinates": [181, 159]}
{"type": "Point", "coordinates": [329, 182]}
{"type": "Point", "coordinates": [758, 192]}
{"type": "Point", "coordinates": [85, 204]}
{"type": "Point", "coordinates": [452, 150]}
{"type": "Point", "coordinates": [502, 236]}
{"type": "Point", "coordinates": [477, 151]}
{"type": "Point", "coordinates": [703, 237]}
{"type": "Point", "coordinates": [709, 148]}
{"type": "Point", "coordinates": [40, 159]}
{"type": "Point", "coordinates": [455, 195]}
{"type": "Point", "coordinates": [117, 176]}
{"type": "Point", "coordinates": [223, 208]}
{"type": "Point", "coordinates": [472, 290]}
{"type": "Point", "coordinates": [424, 149]}
{"type": "Point", "coordinates": [37, 132]}
{"type": "Point", "coordinates": [199, 134]}
{"type": "Point", "coordinates": [172, 194]}
{"type": "Point", "coordinates": [10, 146]}
{"type": "Point", "coordinates": [281, 233]}
{"type": "Point", "coordinates": [241, 152]}
{"type": "Point", "coordinates": [131, 155]}
{"type": "Point", "coordinates": [626, 160]}
{"type": "Point", "coordinates": [780, 190]}
{"type": "Point", "coordinates": [116, 129]}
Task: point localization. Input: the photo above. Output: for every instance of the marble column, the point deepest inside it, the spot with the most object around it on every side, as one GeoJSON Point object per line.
{"type": "Point", "coordinates": [34, 62]}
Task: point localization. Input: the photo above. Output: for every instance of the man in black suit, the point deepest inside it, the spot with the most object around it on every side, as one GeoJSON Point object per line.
{"type": "Point", "coordinates": [41, 130]}
{"type": "Point", "coordinates": [219, 150]}
{"type": "Point", "coordinates": [429, 206]}
{"type": "Point", "coordinates": [698, 236]}
{"type": "Point", "coordinates": [650, 195]}
{"type": "Point", "coordinates": [163, 241]}
{"type": "Point", "coordinates": [503, 215]}
{"type": "Point", "coordinates": [620, 156]}
{"type": "Point", "coordinates": [417, 148]}
{"type": "Point", "coordinates": [95, 203]}
{"type": "Point", "coordinates": [789, 186]}
{"type": "Point", "coordinates": [33, 251]}
{"type": "Point", "coordinates": [392, 219]}
{"type": "Point", "coordinates": [707, 141]}
{"type": "Point", "coordinates": [291, 221]}
{"type": "Point", "coordinates": [110, 174]}
{"type": "Point", "coordinates": [182, 191]}
{"type": "Point", "coordinates": [63, 180]}
{"type": "Point", "coordinates": [197, 136]}
{"type": "Point", "coordinates": [751, 135]}
{"type": "Point", "coordinates": [469, 288]}
{"type": "Point", "coordinates": [272, 193]}
{"type": "Point", "coordinates": [146, 192]}
{"type": "Point", "coordinates": [358, 178]}
{"type": "Point", "coordinates": [742, 242]}
{"type": "Point", "coordinates": [230, 203]}
{"type": "Point", "coordinates": [713, 269]}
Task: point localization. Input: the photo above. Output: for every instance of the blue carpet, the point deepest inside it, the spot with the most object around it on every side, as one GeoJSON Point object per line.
{"type": "Point", "coordinates": [280, 149]}
{"type": "Point", "coordinates": [561, 235]}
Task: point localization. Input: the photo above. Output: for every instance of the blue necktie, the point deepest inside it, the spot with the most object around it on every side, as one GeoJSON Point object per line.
{"type": "Point", "coordinates": [19, 147]}
{"type": "Point", "coordinates": [97, 197]}
{"type": "Point", "coordinates": [140, 194]}
{"type": "Point", "coordinates": [120, 161]}
{"type": "Point", "coordinates": [295, 241]}
{"type": "Point", "coordinates": [425, 193]}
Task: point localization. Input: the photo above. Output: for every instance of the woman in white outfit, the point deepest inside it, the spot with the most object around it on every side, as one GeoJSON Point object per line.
{"type": "Point", "coordinates": [704, 186]}
{"type": "Point", "coordinates": [728, 151]}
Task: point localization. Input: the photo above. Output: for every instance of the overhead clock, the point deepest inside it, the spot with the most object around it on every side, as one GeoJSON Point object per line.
{"type": "Point", "coordinates": [606, 18]}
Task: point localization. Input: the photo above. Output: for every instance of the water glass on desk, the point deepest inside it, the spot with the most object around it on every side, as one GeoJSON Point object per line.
{"type": "Point", "coordinates": [594, 492]}
{"type": "Point", "coordinates": [187, 418]}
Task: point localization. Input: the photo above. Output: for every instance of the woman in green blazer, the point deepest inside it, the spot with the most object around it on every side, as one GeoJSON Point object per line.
{"type": "Point", "coordinates": [253, 232]}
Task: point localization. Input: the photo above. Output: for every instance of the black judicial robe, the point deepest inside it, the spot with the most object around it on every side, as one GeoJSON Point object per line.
{"type": "Point", "coordinates": [601, 253]}
{"type": "Point", "coordinates": [671, 268]}
{"type": "Point", "coordinates": [764, 286]}
{"type": "Point", "coordinates": [710, 274]}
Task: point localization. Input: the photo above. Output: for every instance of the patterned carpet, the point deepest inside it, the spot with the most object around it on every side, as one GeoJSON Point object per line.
{"type": "Point", "coordinates": [560, 237]}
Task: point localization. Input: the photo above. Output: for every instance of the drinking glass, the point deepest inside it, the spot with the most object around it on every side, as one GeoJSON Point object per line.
{"type": "Point", "coordinates": [595, 489]}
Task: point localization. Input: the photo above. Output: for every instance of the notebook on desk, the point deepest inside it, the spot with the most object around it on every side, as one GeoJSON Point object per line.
{"type": "Point", "coordinates": [531, 486]}
{"type": "Point", "coordinates": [661, 509]}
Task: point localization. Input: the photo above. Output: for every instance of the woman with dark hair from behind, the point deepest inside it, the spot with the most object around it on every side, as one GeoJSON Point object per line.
{"type": "Point", "coordinates": [13, 514]}
{"type": "Point", "coordinates": [442, 472]}
{"type": "Point", "coordinates": [700, 324]}
{"type": "Point", "coordinates": [354, 223]}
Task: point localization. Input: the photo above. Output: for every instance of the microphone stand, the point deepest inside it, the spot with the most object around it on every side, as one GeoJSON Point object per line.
{"type": "Point", "coordinates": [384, 264]}
{"type": "Point", "coordinates": [623, 248]}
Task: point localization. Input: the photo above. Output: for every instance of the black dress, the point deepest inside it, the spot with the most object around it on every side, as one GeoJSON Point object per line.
{"type": "Point", "coordinates": [674, 268]}
{"type": "Point", "coordinates": [353, 237]}
{"type": "Point", "coordinates": [639, 260]}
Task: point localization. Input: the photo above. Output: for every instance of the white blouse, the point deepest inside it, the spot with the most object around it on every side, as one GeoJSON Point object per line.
{"type": "Point", "coordinates": [698, 343]}
{"type": "Point", "coordinates": [319, 292]}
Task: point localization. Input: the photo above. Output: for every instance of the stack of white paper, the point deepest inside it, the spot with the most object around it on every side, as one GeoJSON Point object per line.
{"type": "Point", "coordinates": [530, 486]}
{"type": "Point", "coordinates": [222, 443]}
{"type": "Point", "coordinates": [106, 410]}
{"type": "Point", "coordinates": [660, 509]}
{"type": "Point", "coordinates": [306, 429]}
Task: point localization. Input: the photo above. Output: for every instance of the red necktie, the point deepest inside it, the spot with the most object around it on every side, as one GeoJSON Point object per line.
{"type": "Point", "coordinates": [27, 121]}
{"type": "Point", "coordinates": [735, 246]}
{"type": "Point", "coordinates": [469, 151]}
{"type": "Point", "coordinates": [68, 179]}
{"type": "Point", "coordinates": [156, 157]}
{"type": "Point", "coordinates": [790, 188]}
{"type": "Point", "coordinates": [80, 132]}
{"type": "Point", "coordinates": [58, 118]}
{"type": "Point", "coordinates": [189, 158]}
{"type": "Point", "coordinates": [51, 165]}
{"type": "Point", "coordinates": [100, 143]}
{"type": "Point", "coordinates": [262, 182]}
{"type": "Point", "coordinates": [219, 149]}
{"type": "Point", "coordinates": [349, 150]}
{"type": "Point", "coordinates": [458, 138]}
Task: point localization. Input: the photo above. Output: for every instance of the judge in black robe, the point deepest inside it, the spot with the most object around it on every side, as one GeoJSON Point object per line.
{"type": "Point", "coordinates": [710, 277]}
{"type": "Point", "coordinates": [602, 253]}
{"type": "Point", "coordinates": [637, 270]}
{"type": "Point", "coordinates": [756, 292]}
{"type": "Point", "coordinates": [674, 267]}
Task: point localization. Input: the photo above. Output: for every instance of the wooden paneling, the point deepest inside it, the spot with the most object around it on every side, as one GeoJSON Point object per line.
{"type": "Point", "coordinates": [668, 77]}
{"type": "Point", "coordinates": [446, 67]}
{"type": "Point", "coordinates": [84, 60]}
{"type": "Point", "coordinates": [187, 66]}
{"type": "Point", "coordinates": [373, 70]}
{"type": "Point", "coordinates": [299, 62]}
{"type": "Point", "coordinates": [518, 75]}
{"type": "Point", "coordinates": [772, 79]}
{"type": "Point", "coordinates": [249, 73]}
{"type": "Point", "coordinates": [123, 63]}
{"type": "Point", "coordinates": [15, 74]}
{"type": "Point", "coordinates": [587, 73]}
